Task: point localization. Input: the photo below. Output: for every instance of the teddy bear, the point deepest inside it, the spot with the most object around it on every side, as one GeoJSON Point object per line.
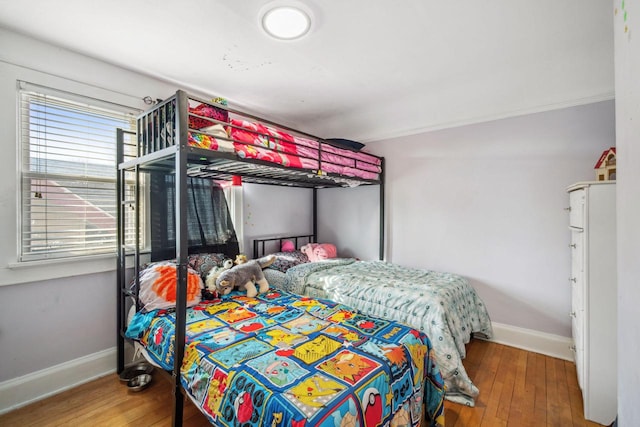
{"type": "Point", "coordinates": [245, 276]}
{"type": "Point", "coordinates": [212, 275]}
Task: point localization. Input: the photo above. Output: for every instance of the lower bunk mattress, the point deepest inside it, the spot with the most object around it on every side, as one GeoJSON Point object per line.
{"type": "Point", "coordinates": [284, 360]}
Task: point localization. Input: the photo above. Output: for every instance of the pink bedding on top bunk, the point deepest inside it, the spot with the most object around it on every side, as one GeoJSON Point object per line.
{"type": "Point", "coordinates": [258, 141]}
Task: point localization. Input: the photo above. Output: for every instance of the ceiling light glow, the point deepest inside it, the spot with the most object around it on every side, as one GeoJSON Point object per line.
{"type": "Point", "coordinates": [286, 22]}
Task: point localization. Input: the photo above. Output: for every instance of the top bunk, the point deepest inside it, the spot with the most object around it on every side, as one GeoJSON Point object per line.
{"type": "Point", "coordinates": [220, 143]}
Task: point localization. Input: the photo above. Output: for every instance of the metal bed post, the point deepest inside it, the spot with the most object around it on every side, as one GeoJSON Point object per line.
{"type": "Point", "coordinates": [136, 236]}
{"type": "Point", "coordinates": [121, 251]}
{"type": "Point", "coordinates": [120, 243]}
{"type": "Point", "coordinates": [315, 215]}
{"type": "Point", "coordinates": [181, 250]}
{"type": "Point", "coordinates": [381, 249]}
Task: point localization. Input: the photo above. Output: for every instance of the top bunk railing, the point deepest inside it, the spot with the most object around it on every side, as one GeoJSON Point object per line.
{"type": "Point", "coordinates": [223, 142]}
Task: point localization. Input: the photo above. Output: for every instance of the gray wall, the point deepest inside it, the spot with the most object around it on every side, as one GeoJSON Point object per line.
{"type": "Point", "coordinates": [627, 66]}
{"type": "Point", "coordinates": [53, 312]}
{"type": "Point", "coordinates": [485, 201]}
{"type": "Point", "coordinates": [275, 211]}
{"type": "Point", "coordinates": [349, 217]}
{"type": "Point", "coordinates": [52, 322]}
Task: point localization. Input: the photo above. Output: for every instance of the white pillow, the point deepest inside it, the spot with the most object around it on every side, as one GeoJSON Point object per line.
{"type": "Point", "coordinates": [158, 286]}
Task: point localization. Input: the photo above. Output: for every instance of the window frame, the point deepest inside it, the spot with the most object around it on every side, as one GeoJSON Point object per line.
{"type": "Point", "coordinates": [235, 201]}
{"type": "Point", "coordinates": [24, 175]}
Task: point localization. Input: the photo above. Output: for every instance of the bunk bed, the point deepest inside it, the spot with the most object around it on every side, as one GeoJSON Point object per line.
{"type": "Point", "coordinates": [341, 366]}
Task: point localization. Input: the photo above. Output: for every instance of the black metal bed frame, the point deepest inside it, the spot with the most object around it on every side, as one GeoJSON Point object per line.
{"type": "Point", "coordinates": [162, 145]}
{"type": "Point", "coordinates": [259, 244]}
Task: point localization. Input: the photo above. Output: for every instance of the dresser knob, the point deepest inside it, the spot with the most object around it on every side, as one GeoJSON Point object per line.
{"type": "Point", "coordinates": [568, 209]}
{"type": "Point", "coordinates": [573, 245]}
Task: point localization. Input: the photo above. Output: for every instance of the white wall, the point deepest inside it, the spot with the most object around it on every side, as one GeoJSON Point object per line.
{"type": "Point", "coordinates": [486, 201]}
{"type": "Point", "coordinates": [279, 211]}
{"type": "Point", "coordinates": [52, 322]}
{"type": "Point", "coordinates": [350, 218]}
{"type": "Point", "coordinates": [271, 211]}
{"type": "Point", "coordinates": [53, 312]}
{"type": "Point", "coordinates": [627, 66]}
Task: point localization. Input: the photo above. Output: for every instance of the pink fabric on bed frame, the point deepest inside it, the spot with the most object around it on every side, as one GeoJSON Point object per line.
{"type": "Point", "coordinates": [258, 141]}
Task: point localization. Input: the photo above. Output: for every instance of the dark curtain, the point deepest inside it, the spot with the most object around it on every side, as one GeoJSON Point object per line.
{"type": "Point", "coordinates": [210, 228]}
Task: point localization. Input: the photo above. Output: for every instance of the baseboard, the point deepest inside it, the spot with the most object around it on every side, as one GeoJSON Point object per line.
{"type": "Point", "coordinates": [32, 387]}
{"type": "Point", "coordinates": [535, 341]}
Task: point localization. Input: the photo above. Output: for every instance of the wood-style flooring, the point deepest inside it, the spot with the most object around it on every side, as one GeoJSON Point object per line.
{"type": "Point", "coordinates": [517, 388]}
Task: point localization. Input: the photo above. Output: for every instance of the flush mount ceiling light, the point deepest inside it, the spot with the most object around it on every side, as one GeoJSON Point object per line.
{"type": "Point", "coordinates": [285, 21]}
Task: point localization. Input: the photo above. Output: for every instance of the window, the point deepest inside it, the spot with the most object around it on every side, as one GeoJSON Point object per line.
{"type": "Point", "coordinates": [67, 173]}
{"type": "Point", "coordinates": [233, 194]}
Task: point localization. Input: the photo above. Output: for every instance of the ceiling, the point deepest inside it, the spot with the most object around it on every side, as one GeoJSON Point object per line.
{"type": "Point", "coordinates": [368, 69]}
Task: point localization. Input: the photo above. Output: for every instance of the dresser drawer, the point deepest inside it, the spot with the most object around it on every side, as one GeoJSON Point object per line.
{"type": "Point", "coordinates": [577, 329]}
{"type": "Point", "coordinates": [577, 268]}
{"type": "Point", "coordinates": [577, 250]}
{"type": "Point", "coordinates": [576, 211]}
{"type": "Point", "coordinates": [580, 368]}
{"type": "Point", "coordinates": [577, 297]}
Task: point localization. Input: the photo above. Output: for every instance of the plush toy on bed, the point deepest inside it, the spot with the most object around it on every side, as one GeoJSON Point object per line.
{"type": "Point", "coordinates": [240, 259]}
{"type": "Point", "coordinates": [245, 276]}
{"type": "Point", "coordinates": [288, 246]}
{"type": "Point", "coordinates": [319, 251]}
{"type": "Point", "coordinates": [214, 273]}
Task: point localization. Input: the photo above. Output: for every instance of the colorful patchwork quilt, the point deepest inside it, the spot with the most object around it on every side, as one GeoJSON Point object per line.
{"type": "Point", "coordinates": [284, 360]}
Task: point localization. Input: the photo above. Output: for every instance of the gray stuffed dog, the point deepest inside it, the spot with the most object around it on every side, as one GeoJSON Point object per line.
{"type": "Point", "coordinates": [245, 276]}
{"type": "Point", "coordinates": [215, 272]}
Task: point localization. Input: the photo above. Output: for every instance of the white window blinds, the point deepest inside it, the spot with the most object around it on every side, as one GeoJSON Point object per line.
{"type": "Point", "coordinates": [68, 173]}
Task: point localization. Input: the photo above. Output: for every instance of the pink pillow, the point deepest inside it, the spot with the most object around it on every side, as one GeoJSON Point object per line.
{"type": "Point", "coordinates": [325, 251]}
{"type": "Point", "coordinates": [287, 246]}
{"type": "Point", "coordinates": [319, 251]}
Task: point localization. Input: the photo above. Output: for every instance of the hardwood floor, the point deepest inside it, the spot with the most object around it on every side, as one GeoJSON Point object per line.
{"type": "Point", "coordinates": [517, 388]}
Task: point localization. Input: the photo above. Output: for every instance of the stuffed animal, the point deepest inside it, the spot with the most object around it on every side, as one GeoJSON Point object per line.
{"type": "Point", "coordinates": [240, 259]}
{"type": "Point", "coordinates": [210, 282]}
{"type": "Point", "coordinates": [319, 251]}
{"type": "Point", "coordinates": [288, 246]}
{"type": "Point", "coordinates": [245, 276]}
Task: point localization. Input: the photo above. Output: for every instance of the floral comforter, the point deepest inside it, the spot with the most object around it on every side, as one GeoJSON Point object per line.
{"type": "Point", "coordinates": [442, 305]}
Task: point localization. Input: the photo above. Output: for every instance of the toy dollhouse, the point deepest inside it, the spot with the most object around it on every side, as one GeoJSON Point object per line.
{"type": "Point", "coordinates": [606, 165]}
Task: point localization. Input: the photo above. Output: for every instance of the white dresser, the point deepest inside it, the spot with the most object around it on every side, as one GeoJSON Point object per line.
{"type": "Point", "coordinates": [592, 221]}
